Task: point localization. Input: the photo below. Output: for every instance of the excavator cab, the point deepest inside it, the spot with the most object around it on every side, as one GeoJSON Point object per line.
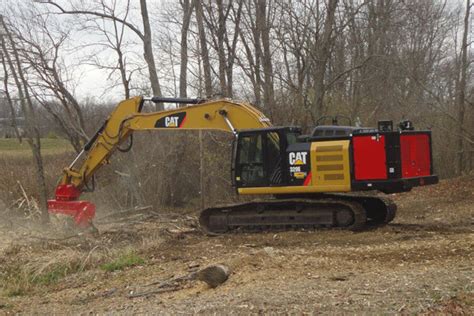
{"type": "Point", "coordinates": [259, 156]}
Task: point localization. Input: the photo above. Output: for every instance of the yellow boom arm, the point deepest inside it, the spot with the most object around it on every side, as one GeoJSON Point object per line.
{"type": "Point", "coordinates": [221, 115]}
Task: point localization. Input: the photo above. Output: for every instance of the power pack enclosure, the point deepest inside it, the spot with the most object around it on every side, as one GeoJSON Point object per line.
{"type": "Point", "coordinates": [392, 161]}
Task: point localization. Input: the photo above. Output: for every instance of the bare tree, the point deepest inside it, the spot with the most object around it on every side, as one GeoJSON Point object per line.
{"type": "Point", "coordinates": [148, 53]}
{"type": "Point", "coordinates": [41, 51]}
{"type": "Point", "coordinates": [231, 45]}
{"type": "Point", "coordinates": [223, 22]}
{"type": "Point", "coordinates": [187, 7]}
{"type": "Point", "coordinates": [112, 37]}
{"type": "Point", "coordinates": [322, 49]}
{"type": "Point", "coordinates": [263, 27]}
{"type": "Point", "coordinates": [6, 91]}
{"type": "Point", "coordinates": [204, 51]}
{"type": "Point", "coordinates": [145, 37]}
{"type": "Point", "coordinates": [32, 134]}
{"type": "Point", "coordinates": [250, 39]}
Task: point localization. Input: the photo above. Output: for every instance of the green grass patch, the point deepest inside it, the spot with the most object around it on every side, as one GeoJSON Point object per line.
{"type": "Point", "coordinates": [11, 146]}
{"type": "Point", "coordinates": [125, 260]}
{"type": "Point", "coordinates": [20, 280]}
{"type": "Point", "coordinates": [52, 276]}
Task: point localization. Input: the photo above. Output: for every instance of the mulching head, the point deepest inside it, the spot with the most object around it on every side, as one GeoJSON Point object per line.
{"type": "Point", "coordinates": [67, 203]}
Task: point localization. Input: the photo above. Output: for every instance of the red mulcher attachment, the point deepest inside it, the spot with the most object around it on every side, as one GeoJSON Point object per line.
{"type": "Point", "coordinates": [67, 203]}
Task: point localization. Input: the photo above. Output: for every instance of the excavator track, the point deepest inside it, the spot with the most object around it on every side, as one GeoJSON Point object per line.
{"type": "Point", "coordinates": [342, 211]}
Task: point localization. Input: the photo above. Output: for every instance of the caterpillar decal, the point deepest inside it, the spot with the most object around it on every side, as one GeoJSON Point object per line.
{"type": "Point", "coordinates": [175, 120]}
{"type": "Point", "coordinates": [299, 165]}
{"type": "Point", "coordinates": [297, 158]}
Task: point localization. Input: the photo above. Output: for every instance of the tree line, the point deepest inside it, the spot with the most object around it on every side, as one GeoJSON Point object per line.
{"type": "Point", "coordinates": [295, 59]}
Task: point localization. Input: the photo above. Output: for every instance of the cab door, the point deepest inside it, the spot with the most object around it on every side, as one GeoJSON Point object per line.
{"type": "Point", "coordinates": [258, 159]}
{"type": "Point", "coordinates": [249, 167]}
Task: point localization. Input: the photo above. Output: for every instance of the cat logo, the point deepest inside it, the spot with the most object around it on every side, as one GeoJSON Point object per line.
{"type": "Point", "coordinates": [297, 158]}
{"type": "Point", "coordinates": [175, 120]}
{"type": "Point", "coordinates": [171, 121]}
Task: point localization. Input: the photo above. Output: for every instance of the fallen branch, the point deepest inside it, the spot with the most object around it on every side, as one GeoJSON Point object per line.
{"type": "Point", "coordinates": [157, 291]}
{"type": "Point", "coordinates": [124, 215]}
{"type": "Point", "coordinates": [172, 280]}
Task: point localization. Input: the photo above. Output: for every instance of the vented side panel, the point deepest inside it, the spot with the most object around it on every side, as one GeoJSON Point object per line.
{"type": "Point", "coordinates": [330, 165]}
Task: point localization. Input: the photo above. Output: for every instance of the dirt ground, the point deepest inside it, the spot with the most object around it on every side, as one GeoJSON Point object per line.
{"type": "Point", "coordinates": [422, 263]}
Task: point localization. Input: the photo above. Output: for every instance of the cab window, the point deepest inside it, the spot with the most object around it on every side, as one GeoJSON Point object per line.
{"type": "Point", "coordinates": [251, 149]}
{"type": "Point", "coordinates": [250, 167]}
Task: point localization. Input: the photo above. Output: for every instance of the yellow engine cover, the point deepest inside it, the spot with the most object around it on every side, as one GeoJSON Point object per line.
{"type": "Point", "coordinates": [330, 167]}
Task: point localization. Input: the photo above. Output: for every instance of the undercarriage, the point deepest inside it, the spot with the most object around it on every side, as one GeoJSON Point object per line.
{"type": "Point", "coordinates": [345, 211]}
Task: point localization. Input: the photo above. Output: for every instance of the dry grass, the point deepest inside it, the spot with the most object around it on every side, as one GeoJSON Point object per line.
{"type": "Point", "coordinates": [11, 147]}
{"type": "Point", "coordinates": [30, 276]}
{"type": "Point", "coordinates": [39, 259]}
{"type": "Point", "coordinates": [20, 172]}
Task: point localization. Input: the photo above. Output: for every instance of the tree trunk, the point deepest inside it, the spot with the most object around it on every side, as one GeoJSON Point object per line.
{"type": "Point", "coordinates": [204, 51]}
{"type": "Point", "coordinates": [258, 58]}
{"type": "Point", "coordinates": [8, 96]}
{"type": "Point", "coordinates": [231, 50]}
{"type": "Point", "coordinates": [220, 48]}
{"type": "Point", "coordinates": [323, 52]}
{"type": "Point", "coordinates": [183, 80]}
{"type": "Point", "coordinates": [121, 61]}
{"type": "Point", "coordinates": [461, 95]}
{"type": "Point", "coordinates": [264, 30]}
{"type": "Point", "coordinates": [148, 54]}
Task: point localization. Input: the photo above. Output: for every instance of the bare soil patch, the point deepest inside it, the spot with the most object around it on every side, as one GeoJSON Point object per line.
{"type": "Point", "coordinates": [421, 263]}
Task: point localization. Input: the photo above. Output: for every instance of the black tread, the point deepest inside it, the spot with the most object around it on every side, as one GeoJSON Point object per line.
{"type": "Point", "coordinates": [288, 214]}
{"type": "Point", "coordinates": [366, 211]}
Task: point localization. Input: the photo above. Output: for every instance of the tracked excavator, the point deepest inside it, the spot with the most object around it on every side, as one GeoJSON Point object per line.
{"type": "Point", "coordinates": [311, 178]}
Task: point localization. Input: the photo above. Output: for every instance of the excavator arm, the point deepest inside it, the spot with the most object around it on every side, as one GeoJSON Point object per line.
{"type": "Point", "coordinates": [128, 117]}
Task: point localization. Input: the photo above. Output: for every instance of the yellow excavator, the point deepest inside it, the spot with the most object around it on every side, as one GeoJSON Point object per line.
{"type": "Point", "coordinates": [309, 176]}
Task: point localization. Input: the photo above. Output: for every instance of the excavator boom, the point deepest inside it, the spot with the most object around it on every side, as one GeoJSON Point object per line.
{"type": "Point", "coordinates": [127, 118]}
